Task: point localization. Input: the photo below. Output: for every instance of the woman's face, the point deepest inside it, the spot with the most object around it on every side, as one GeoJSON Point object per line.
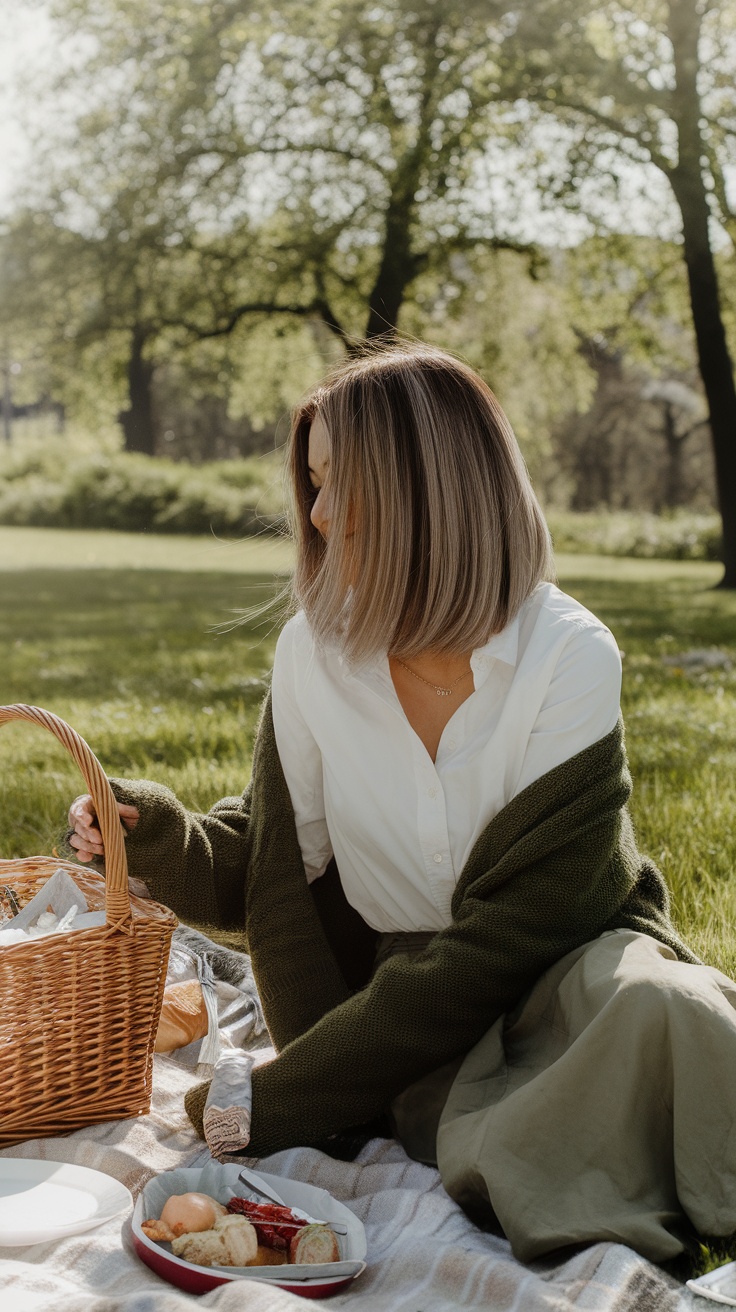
{"type": "Point", "coordinates": [319, 467]}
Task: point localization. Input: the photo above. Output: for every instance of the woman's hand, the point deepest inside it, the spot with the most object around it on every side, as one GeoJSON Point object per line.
{"type": "Point", "coordinates": [86, 836]}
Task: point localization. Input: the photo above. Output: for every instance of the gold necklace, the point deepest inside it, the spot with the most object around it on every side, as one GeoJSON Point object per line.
{"type": "Point", "coordinates": [441, 692]}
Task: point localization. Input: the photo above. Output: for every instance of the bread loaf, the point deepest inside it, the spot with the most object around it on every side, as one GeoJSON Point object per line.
{"type": "Point", "coordinates": [231, 1242]}
{"type": "Point", "coordinates": [183, 1016]}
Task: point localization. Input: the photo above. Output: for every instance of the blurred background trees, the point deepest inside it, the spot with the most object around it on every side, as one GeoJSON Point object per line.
{"type": "Point", "coordinates": [230, 196]}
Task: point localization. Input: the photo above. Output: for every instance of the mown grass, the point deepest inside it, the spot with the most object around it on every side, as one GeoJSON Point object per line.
{"type": "Point", "coordinates": [122, 636]}
{"type": "Point", "coordinates": [681, 732]}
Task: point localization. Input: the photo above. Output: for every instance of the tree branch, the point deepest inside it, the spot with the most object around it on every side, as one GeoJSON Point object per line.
{"type": "Point", "coordinates": [728, 216]}
{"type": "Point", "coordinates": [605, 121]}
{"type": "Point", "coordinates": [318, 308]}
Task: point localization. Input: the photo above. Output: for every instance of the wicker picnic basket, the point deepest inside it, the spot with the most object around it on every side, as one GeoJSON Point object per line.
{"type": "Point", "coordinates": [79, 1011]}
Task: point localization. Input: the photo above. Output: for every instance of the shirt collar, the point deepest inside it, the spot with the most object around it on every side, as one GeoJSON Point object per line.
{"type": "Point", "coordinates": [503, 646]}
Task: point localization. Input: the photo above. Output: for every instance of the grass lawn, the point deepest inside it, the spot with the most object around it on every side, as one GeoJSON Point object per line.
{"type": "Point", "coordinates": [127, 638]}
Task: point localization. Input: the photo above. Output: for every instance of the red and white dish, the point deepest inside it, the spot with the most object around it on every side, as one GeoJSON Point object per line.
{"type": "Point", "coordinates": [221, 1182]}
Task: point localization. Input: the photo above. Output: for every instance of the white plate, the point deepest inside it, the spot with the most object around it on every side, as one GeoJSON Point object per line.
{"type": "Point", "coordinates": [41, 1200]}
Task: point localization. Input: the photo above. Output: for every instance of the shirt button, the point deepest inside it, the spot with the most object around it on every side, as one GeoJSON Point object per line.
{"type": "Point", "coordinates": [438, 857]}
{"type": "Point", "coordinates": [451, 744]}
{"type": "Point", "coordinates": [432, 792]}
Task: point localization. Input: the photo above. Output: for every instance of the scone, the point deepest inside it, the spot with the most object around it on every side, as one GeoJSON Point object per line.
{"type": "Point", "coordinates": [231, 1242]}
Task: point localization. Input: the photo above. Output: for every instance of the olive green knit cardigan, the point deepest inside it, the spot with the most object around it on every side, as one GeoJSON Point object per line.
{"type": "Point", "coordinates": [556, 867]}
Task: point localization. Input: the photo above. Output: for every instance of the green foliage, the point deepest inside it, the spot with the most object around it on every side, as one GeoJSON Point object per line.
{"type": "Point", "coordinates": [683, 535]}
{"type": "Point", "coordinates": [48, 487]}
{"type": "Point", "coordinates": [631, 291]}
{"type": "Point", "coordinates": [238, 188]}
{"type": "Point", "coordinates": [60, 484]}
{"type": "Point", "coordinates": [273, 363]}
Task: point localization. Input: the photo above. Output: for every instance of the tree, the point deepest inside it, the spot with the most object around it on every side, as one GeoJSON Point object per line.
{"type": "Point", "coordinates": [320, 166]}
{"type": "Point", "coordinates": [351, 137]}
{"type": "Point", "coordinates": [80, 289]}
{"type": "Point", "coordinates": [308, 165]}
{"type": "Point", "coordinates": [651, 79]}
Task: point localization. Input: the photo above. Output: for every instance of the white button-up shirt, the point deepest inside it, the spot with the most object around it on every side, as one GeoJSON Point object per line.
{"type": "Point", "coordinates": [364, 787]}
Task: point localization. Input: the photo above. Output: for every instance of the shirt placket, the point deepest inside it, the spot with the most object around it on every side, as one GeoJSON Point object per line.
{"type": "Point", "coordinates": [434, 838]}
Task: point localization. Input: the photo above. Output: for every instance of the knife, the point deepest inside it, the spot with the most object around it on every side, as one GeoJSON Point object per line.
{"type": "Point", "coordinates": [249, 1178]}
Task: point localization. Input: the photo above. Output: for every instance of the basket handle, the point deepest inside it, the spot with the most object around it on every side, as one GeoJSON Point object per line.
{"type": "Point", "coordinates": [117, 897]}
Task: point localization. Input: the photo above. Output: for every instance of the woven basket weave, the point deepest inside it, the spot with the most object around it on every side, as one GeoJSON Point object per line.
{"type": "Point", "coordinates": [79, 1011]}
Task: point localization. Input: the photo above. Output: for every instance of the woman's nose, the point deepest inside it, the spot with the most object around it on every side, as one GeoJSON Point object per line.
{"type": "Point", "coordinates": [320, 513]}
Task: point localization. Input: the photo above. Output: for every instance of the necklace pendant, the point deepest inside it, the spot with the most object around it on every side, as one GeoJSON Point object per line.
{"type": "Point", "coordinates": [443, 692]}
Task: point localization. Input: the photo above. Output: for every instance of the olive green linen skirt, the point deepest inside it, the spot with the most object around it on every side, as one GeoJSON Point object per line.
{"type": "Point", "coordinates": [603, 1108]}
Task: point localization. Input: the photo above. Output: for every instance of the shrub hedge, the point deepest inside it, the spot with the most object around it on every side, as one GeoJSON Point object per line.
{"type": "Point", "coordinates": [681, 535]}
{"type": "Point", "coordinates": [52, 487]}
{"type": "Point", "coordinates": [231, 498]}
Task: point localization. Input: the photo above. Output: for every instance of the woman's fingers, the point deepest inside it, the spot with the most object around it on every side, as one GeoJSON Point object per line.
{"type": "Point", "coordinates": [85, 849]}
{"type": "Point", "coordinates": [130, 815]}
{"type": "Point", "coordinates": [86, 838]}
{"type": "Point", "coordinates": [83, 853]}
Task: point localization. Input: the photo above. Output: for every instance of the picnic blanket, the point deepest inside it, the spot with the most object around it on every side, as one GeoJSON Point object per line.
{"type": "Point", "coordinates": [424, 1255]}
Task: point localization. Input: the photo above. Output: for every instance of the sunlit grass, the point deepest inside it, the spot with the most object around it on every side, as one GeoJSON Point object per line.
{"type": "Point", "coordinates": [71, 549]}
{"type": "Point", "coordinates": [681, 731]}
{"type": "Point", "coordinates": [123, 637]}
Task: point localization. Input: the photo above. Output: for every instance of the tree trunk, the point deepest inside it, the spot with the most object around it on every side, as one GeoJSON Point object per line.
{"type": "Point", "coordinates": [7, 404]}
{"type": "Point", "coordinates": [137, 420]}
{"type": "Point", "coordinates": [397, 268]}
{"type": "Point", "coordinates": [672, 494]}
{"type": "Point", "coordinates": [400, 263]}
{"type": "Point", "coordinates": [716, 366]}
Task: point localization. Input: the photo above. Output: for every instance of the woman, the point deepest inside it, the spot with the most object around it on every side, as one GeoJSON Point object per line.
{"type": "Point", "coordinates": [441, 756]}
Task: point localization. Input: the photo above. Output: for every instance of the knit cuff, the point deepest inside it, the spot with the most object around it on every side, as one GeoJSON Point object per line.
{"type": "Point", "coordinates": [156, 805]}
{"type": "Point", "coordinates": [194, 1102]}
{"type": "Point", "coordinates": [153, 844]}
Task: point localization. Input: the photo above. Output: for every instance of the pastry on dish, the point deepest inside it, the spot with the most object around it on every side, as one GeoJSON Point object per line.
{"type": "Point", "coordinates": [231, 1242]}
{"type": "Point", "coordinates": [203, 1231]}
{"type": "Point", "coordinates": [315, 1243]}
{"type": "Point", "coordinates": [278, 1228]}
{"type": "Point", "coordinates": [158, 1232]}
{"type": "Point", "coordinates": [187, 1214]}
{"type": "Point", "coordinates": [275, 1224]}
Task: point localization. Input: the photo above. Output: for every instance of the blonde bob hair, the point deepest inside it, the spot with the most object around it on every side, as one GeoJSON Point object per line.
{"type": "Point", "coordinates": [436, 537]}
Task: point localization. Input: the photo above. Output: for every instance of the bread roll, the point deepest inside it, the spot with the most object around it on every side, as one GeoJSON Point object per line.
{"type": "Point", "coordinates": [315, 1243]}
{"type": "Point", "coordinates": [231, 1242]}
{"type": "Point", "coordinates": [183, 1016]}
{"type": "Point", "coordinates": [186, 1214]}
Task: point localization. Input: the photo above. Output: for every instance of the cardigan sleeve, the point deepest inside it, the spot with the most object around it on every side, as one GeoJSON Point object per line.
{"type": "Point", "coordinates": [194, 863]}
{"type": "Point", "coordinates": [240, 866]}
